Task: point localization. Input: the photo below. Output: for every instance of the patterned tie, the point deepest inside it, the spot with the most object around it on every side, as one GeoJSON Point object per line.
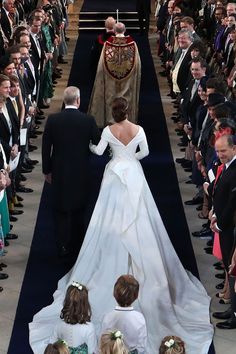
{"type": "Point", "coordinates": [11, 17]}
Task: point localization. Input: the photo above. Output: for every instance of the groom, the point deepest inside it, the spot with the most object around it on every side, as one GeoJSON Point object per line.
{"type": "Point", "coordinates": [65, 160]}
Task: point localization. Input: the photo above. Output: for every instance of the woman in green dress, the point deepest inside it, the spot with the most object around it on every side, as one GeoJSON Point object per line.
{"type": "Point", "coordinates": [46, 89]}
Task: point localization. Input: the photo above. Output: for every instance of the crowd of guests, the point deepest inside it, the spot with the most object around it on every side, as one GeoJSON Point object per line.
{"type": "Point", "coordinates": [197, 46]}
{"type": "Point", "coordinates": [32, 44]}
{"type": "Point", "coordinates": [123, 330]}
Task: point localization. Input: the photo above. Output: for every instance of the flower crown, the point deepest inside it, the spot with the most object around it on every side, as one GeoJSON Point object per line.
{"type": "Point", "coordinates": [116, 334]}
{"type": "Point", "coordinates": [169, 343]}
{"type": "Point", "coordinates": [77, 285]}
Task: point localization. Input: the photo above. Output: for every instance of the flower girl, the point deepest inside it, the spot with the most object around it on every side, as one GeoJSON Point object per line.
{"type": "Point", "coordinates": [59, 347]}
{"type": "Point", "coordinates": [112, 343]}
{"type": "Point", "coordinates": [74, 326]}
{"type": "Point", "coordinates": [172, 345]}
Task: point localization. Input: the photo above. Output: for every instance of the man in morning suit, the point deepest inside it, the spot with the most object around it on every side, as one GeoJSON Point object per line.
{"type": "Point", "coordinates": [180, 70]}
{"type": "Point", "coordinates": [223, 219]}
{"type": "Point", "coordinates": [65, 160]}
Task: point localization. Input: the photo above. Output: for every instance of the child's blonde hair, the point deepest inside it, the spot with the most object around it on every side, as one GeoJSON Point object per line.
{"type": "Point", "coordinates": [112, 343]}
{"type": "Point", "coordinates": [59, 347]}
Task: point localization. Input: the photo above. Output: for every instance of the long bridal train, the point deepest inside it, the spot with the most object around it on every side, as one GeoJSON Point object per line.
{"type": "Point", "coordinates": [126, 235]}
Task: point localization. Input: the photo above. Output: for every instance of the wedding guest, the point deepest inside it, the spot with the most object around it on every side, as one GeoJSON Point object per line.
{"type": "Point", "coordinates": [4, 215]}
{"type": "Point", "coordinates": [113, 343]}
{"type": "Point", "coordinates": [223, 211]}
{"type": "Point", "coordinates": [172, 345]}
{"type": "Point", "coordinates": [59, 347]}
{"type": "Point", "coordinates": [74, 325]}
{"type": "Point", "coordinates": [131, 323]}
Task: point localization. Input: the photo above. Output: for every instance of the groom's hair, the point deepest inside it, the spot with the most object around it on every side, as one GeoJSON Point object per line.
{"type": "Point", "coordinates": [126, 290]}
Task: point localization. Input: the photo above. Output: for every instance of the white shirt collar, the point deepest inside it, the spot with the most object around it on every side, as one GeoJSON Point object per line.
{"type": "Point", "coordinates": [119, 308]}
{"type": "Point", "coordinates": [229, 163]}
{"type": "Point", "coordinates": [71, 106]}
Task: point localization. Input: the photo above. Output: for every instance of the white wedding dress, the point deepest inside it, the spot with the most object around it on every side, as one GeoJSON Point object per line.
{"type": "Point", "coordinates": [126, 235]}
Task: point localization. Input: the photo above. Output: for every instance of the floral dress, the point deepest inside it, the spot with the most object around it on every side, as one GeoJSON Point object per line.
{"type": "Point", "coordinates": [82, 349]}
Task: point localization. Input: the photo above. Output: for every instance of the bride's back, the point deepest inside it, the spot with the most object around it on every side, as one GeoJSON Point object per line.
{"type": "Point", "coordinates": [124, 131]}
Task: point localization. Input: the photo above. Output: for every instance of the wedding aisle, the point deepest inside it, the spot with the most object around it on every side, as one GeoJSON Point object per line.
{"type": "Point", "coordinates": [44, 269]}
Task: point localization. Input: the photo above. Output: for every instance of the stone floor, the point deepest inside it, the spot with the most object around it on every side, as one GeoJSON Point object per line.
{"type": "Point", "coordinates": [18, 251]}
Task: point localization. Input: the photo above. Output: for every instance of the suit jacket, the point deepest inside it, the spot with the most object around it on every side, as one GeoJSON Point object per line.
{"type": "Point", "coordinates": [6, 134]}
{"type": "Point", "coordinates": [29, 79]}
{"type": "Point", "coordinates": [209, 21]}
{"type": "Point", "coordinates": [35, 57]}
{"type": "Point", "coordinates": [162, 16]}
{"type": "Point", "coordinates": [189, 106]}
{"type": "Point", "coordinates": [223, 198]}
{"type": "Point", "coordinates": [183, 72]}
{"type": "Point", "coordinates": [218, 38]}
{"type": "Point", "coordinates": [14, 121]}
{"type": "Point", "coordinates": [65, 154]}
{"type": "Point", "coordinates": [2, 49]}
{"type": "Point", "coordinates": [6, 25]}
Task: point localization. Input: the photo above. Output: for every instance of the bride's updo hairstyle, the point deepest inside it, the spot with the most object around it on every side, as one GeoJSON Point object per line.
{"type": "Point", "coordinates": [120, 109]}
{"type": "Point", "coordinates": [172, 345]}
{"type": "Point", "coordinates": [126, 290]}
{"type": "Point", "coordinates": [76, 307]}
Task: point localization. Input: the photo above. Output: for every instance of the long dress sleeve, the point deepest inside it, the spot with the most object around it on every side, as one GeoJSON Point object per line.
{"type": "Point", "coordinates": [143, 146]}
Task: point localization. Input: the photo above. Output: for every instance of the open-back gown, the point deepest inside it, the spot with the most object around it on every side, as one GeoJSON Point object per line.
{"type": "Point", "coordinates": [126, 235]}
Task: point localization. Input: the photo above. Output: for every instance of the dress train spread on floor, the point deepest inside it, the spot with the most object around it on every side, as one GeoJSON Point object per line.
{"type": "Point", "coordinates": [126, 235]}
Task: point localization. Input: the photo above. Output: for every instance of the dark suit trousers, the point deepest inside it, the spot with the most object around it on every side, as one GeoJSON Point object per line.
{"type": "Point", "coordinates": [226, 245]}
{"type": "Point", "coordinates": [70, 230]}
{"type": "Point", "coordinates": [144, 19]}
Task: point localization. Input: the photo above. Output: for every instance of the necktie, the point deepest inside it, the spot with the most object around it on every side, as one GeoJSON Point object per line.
{"type": "Point", "coordinates": [15, 106]}
{"type": "Point", "coordinates": [11, 17]}
{"type": "Point", "coordinates": [38, 45]}
{"type": "Point", "coordinates": [194, 89]}
{"type": "Point", "coordinates": [212, 10]}
{"type": "Point", "coordinates": [220, 170]}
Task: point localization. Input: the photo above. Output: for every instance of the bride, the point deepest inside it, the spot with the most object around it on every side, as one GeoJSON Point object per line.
{"type": "Point", "coordinates": [126, 235]}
